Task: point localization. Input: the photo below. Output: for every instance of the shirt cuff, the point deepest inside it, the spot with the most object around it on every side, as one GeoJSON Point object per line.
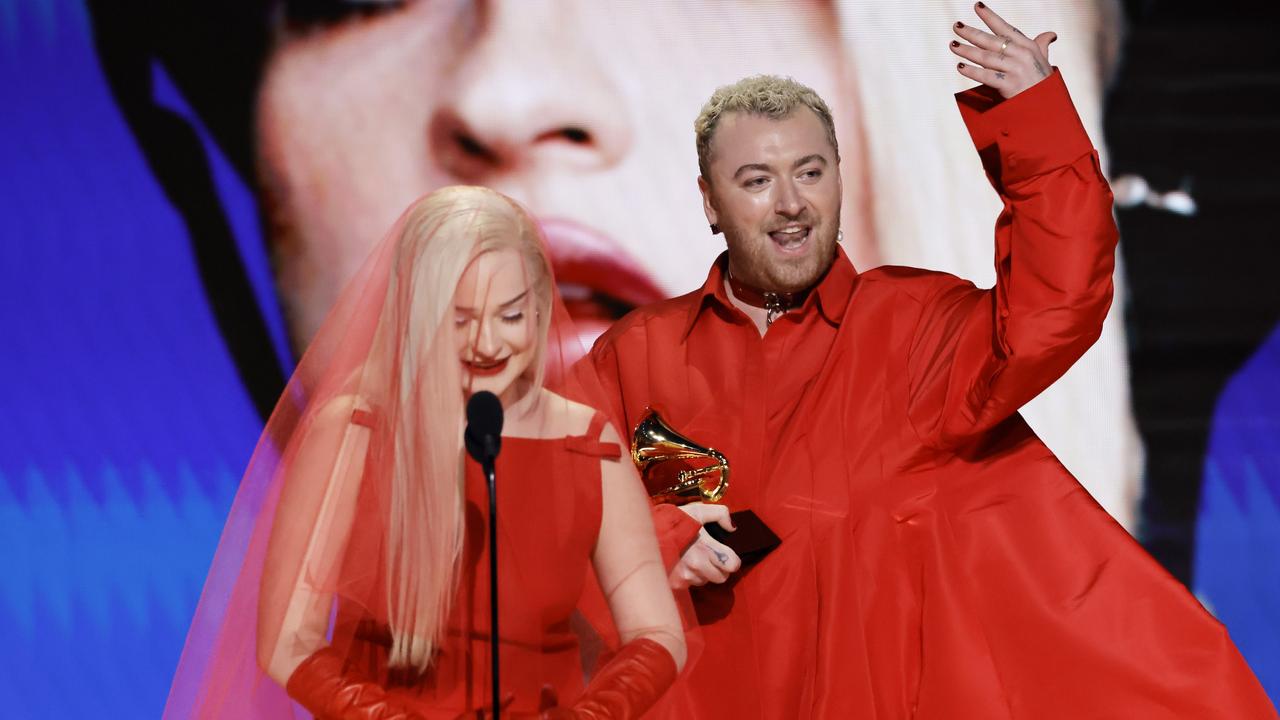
{"type": "Point", "coordinates": [1034, 132]}
{"type": "Point", "coordinates": [676, 530]}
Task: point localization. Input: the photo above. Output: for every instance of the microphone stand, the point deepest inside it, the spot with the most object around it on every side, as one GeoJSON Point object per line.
{"type": "Point", "coordinates": [493, 581]}
{"type": "Point", "coordinates": [483, 440]}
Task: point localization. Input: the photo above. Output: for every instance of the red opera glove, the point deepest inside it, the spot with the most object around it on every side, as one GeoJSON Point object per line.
{"type": "Point", "coordinates": [628, 685]}
{"type": "Point", "coordinates": [332, 692]}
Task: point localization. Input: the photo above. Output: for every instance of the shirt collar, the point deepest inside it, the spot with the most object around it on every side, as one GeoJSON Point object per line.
{"type": "Point", "coordinates": [831, 296]}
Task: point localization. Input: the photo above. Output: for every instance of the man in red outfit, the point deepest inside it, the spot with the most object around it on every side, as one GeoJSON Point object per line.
{"type": "Point", "coordinates": [936, 560]}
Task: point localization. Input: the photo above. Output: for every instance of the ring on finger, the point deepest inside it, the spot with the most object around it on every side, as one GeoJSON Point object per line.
{"type": "Point", "coordinates": [1004, 45]}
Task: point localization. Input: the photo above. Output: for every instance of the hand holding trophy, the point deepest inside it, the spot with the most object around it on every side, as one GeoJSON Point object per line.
{"type": "Point", "coordinates": [679, 471]}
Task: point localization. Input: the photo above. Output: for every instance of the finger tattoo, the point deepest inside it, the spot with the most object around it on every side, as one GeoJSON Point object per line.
{"type": "Point", "coordinates": [999, 75]}
{"type": "Point", "coordinates": [721, 557]}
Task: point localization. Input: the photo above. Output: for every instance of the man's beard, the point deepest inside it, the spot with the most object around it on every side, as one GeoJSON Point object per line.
{"type": "Point", "coordinates": [751, 261]}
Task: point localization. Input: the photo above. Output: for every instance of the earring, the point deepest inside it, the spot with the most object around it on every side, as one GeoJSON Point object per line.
{"type": "Point", "coordinates": [839, 236]}
{"type": "Point", "coordinates": [715, 229]}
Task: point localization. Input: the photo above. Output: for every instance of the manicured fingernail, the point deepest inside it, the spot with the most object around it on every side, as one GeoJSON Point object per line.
{"type": "Point", "coordinates": [959, 24]}
{"type": "Point", "coordinates": [1054, 39]}
{"type": "Point", "coordinates": [961, 66]}
{"type": "Point", "coordinates": [981, 5]}
{"type": "Point", "coordinates": [955, 43]}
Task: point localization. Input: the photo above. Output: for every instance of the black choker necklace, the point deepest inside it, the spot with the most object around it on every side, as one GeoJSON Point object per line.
{"type": "Point", "coordinates": [775, 303]}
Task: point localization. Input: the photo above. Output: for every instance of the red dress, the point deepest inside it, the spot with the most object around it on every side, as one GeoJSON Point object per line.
{"type": "Point", "coordinates": [936, 561]}
{"type": "Point", "coordinates": [549, 513]}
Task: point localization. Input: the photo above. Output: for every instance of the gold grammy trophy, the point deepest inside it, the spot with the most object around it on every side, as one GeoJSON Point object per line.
{"type": "Point", "coordinates": [677, 470]}
{"type": "Point", "coordinates": [673, 466]}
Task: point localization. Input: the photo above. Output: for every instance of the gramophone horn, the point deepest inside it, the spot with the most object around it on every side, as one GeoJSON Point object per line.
{"type": "Point", "coordinates": [659, 452]}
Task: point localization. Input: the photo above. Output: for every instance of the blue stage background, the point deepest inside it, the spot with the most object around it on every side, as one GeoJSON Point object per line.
{"type": "Point", "coordinates": [123, 426]}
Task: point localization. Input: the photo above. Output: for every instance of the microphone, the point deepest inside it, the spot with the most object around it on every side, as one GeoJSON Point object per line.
{"type": "Point", "coordinates": [483, 437]}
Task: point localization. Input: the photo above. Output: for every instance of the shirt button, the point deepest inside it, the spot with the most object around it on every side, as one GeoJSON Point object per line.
{"type": "Point", "coordinates": [1004, 133]}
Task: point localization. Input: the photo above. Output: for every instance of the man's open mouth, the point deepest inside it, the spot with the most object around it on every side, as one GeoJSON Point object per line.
{"type": "Point", "coordinates": [791, 239]}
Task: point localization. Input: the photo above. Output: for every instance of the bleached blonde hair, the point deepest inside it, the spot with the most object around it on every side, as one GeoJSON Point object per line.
{"type": "Point", "coordinates": [442, 234]}
{"type": "Point", "coordinates": [768, 96]}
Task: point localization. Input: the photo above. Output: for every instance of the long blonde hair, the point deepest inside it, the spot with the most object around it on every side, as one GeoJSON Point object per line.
{"type": "Point", "coordinates": [441, 235]}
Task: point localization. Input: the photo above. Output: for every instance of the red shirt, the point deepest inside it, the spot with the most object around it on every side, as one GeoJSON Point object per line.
{"type": "Point", "coordinates": [936, 560]}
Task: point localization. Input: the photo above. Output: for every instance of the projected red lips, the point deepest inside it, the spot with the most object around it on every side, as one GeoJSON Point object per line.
{"type": "Point", "coordinates": [598, 281]}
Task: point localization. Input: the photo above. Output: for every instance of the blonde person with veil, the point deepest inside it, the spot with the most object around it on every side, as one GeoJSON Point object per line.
{"type": "Point", "coordinates": [352, 580]}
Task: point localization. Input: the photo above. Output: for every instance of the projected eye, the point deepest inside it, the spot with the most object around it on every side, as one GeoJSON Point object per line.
{"type": "Point", "coordinates": [306, 13]}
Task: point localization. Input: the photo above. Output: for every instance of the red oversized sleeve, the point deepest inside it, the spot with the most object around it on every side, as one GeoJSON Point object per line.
{"type": "Point", "coordinates": [979, 355]}
{"type": "Point", "coordinates": [601, 369]}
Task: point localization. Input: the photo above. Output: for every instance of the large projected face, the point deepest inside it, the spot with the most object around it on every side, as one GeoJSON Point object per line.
{"type": "Point", "coordinates": [581, 110]}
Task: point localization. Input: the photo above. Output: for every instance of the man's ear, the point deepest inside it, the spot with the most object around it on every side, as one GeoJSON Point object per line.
{"type": "Point", "coordinates": [707, 207]}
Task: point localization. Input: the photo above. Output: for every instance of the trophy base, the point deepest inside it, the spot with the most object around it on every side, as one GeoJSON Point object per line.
{"type": "Point", "coordinates": [751, 541]}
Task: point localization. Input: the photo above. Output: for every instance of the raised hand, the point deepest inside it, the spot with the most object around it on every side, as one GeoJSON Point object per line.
{"type": "Point", "coordinates": [1003, 59]}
